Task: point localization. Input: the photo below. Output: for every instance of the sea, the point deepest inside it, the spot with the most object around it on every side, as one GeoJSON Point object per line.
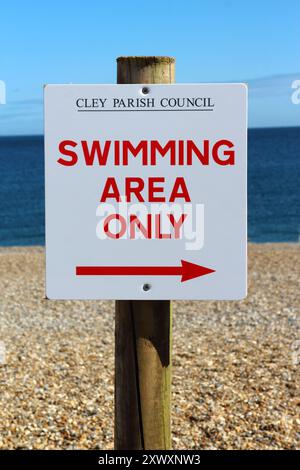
{"type": "Point", "coordinates": [273, 187]}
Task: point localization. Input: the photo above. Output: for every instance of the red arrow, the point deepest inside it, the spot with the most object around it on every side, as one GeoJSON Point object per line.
{"type": "Point", "coordinates": [187, 270]}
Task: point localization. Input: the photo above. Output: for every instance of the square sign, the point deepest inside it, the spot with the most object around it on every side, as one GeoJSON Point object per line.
{"type": "Point", "coordinates": [146, 191]}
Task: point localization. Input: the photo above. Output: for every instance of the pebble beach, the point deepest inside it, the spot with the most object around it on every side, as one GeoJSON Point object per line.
{"type": "Point", "coordinates": [235, 364]}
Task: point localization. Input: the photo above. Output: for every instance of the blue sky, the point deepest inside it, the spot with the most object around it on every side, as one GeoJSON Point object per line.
{"type": "Point", "coordinates": [213, 41]}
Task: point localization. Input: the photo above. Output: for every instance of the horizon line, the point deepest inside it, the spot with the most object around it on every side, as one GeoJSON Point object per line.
{"type": "Point", "coordinates": [249, 128]}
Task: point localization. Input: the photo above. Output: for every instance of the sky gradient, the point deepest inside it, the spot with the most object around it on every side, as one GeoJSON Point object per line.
{"type": "Point", "coordinates": [213, 41]}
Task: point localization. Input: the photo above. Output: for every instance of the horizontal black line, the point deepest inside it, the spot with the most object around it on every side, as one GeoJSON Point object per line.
{"type": "Point", "coordinates": [133, 110]}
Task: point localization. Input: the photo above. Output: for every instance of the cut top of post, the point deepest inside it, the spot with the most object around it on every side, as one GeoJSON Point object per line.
{"type": "Point", "coordinates": [147, 59]}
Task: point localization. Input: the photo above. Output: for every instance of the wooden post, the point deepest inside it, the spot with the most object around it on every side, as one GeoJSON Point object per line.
{"type": "Point", "coordinates": [143, 328]}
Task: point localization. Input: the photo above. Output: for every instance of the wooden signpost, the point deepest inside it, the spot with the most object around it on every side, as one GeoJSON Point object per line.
{"type": "Point", "coordinates": [143, 328]}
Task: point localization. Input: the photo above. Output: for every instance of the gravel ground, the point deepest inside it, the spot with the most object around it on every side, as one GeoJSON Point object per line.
{"type": "Point", "coordinates": [235, 379]}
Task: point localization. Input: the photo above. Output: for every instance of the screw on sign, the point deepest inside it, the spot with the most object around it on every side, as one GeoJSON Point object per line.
{"type": "Point", "coordinates": [145, 202]}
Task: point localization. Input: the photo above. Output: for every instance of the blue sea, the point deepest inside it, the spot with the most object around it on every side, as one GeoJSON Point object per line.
{"type": "Point", "coordinates": [273, 187]}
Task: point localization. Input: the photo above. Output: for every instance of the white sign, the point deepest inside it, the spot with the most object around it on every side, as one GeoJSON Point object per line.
{"type": "Point", "coordinates": [146, 191]}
